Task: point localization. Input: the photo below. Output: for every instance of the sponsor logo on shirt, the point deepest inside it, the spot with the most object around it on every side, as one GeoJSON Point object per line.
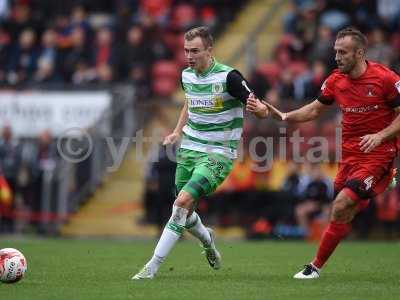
{"type": "Point", "coordinates": [361, 109]}
{"type": "Point", "coordinates": [215, 102]}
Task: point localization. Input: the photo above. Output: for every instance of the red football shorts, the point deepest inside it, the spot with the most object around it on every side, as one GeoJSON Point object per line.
{"type": "Point", "coordinates": [363, 180]}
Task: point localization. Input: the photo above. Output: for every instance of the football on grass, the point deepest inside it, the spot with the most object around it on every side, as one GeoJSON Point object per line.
{"type": "Point", "coordinates": [12, 265]}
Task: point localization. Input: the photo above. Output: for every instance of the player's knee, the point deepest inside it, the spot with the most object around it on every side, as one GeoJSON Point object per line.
{"type": "Point", "coordinates": [184, 200]}
{"type": "Point", "coordinates": [343, 209]}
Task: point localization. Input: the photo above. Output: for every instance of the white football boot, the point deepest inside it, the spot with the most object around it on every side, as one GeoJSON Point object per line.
{"type": "Point", "coordinates": [144, 273]}
{"type": "Point", "coordinates": [212, 255]}
{"type": "Point", "coordinates": [309, 272]}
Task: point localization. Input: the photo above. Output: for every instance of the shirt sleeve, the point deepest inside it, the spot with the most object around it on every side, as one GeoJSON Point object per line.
{"type": "Point", "coordinates": [392, 89]}
{"type": "Point", "coordinates": [235, 87]}
{"type": "Point", "coordinates": [326, 95]}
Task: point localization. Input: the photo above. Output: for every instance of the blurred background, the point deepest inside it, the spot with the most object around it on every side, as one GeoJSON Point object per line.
{"type": "Point", "coordinates": [113, 69]}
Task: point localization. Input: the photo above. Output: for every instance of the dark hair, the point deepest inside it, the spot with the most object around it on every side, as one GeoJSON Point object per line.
{"type": "Point", "coordinates": [356, 35]}
{"type": "Point", "coordinates": [203, 32]}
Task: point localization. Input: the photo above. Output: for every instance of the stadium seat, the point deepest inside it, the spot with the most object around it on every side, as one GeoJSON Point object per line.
{"type": "Point", "coordinates": [298, 67]}
{"type": "Point", "coordinates": [165, 68]}
{"type": "Point", "coordinates": [183, 17]}
{"type": "Point", "coordinates": [271, 71]}
{"type": "Point", "coordinates": [164, 86]}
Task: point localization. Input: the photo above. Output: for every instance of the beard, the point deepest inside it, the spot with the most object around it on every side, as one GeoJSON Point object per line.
{"type": "Point", "coordinates": [347, 68]}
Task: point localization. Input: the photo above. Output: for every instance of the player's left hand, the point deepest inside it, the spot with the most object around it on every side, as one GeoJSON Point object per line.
{"type": "Point", "coordinates": [254, 105]}
{"type": "Point", "coordinates": [370, 141]}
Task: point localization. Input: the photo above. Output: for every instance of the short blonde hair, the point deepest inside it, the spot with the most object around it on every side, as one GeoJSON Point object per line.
{"type": "Point", "coordinates": [203, 32]}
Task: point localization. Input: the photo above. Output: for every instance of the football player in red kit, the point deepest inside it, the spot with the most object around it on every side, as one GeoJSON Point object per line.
{"type": "Point", "coordinates": [368, 95]}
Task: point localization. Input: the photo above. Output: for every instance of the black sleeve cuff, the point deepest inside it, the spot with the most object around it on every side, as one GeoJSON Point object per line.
{"type": "Point", "coordinates": [325, 100]}
{"type": "Point", "coordinates": [395, 102]}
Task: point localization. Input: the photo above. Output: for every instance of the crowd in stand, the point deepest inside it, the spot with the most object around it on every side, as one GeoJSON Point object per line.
{"type": "Point", "coordinates": [85, 42]}
{"type": "Point", "coordinates": [22, 167]}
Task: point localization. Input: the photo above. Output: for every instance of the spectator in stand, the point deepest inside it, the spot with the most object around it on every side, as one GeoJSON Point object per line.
{"type": "Point", "coordinates": [295, 182]}
{"type": "Point", "coordinates": [139, 77]}
{"type": "Point", "coordinates": [78, 53]}
{"type": "Point", "coordinates": [389, 13]}
{"type": "Point", "coordinates": [286, 86]}
{"type": "Point", "coordinates": [104, 55]}
{"type": "Point", "coordinates": [4, 53]}
{"type": "Point", "coordinates": [79, 19]}
{"type": "Point", "coordinates": [47, 60]}
{"type": "Point", "coordinates": [317, 196]}
{"type": "Point", "coordinates": [42, 157]}
{"type": "Point", "coordinates": [322, 48]}
{"type": "Point", "coordinates": [104, 49]}
{"type": "Point", "coordinates": [10, 164]}
{"type": "Point", "coordinates": [135, 51]}
{"type": "Point", "coordinates": [379, 49]}
{"type": "Point", "coordinates": [23, 62]}
{"type": "Point", "coordinates": [308, 85]}
{"type": "Point", "coordinates": [20, 19]}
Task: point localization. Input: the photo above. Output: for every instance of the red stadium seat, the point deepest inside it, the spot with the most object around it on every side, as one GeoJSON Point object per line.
{"type": "Point", "coordinates": [164, 86]}
{"type": "Point", "coordinates": [165, 69]}
{"type": "Point", "coordinates": [180, 59]}
{"type": "Point", "coordinates": [271, 71]}
{"type": "Point", "coordinates": [183, 16]}
{"type": "Point", "coordinates": [298, 67]}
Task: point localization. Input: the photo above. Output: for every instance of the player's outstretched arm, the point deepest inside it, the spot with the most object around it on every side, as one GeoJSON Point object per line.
{"type": "Point", "coordinates": [176, 134]}
{"type": "Point", "coordinates": [306, 113]}
{"type": "Point", "coordinates": [371, 141]}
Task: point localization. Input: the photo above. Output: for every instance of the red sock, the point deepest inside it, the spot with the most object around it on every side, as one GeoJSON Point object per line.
{"type": "Point", "coordinates": [332, 236]}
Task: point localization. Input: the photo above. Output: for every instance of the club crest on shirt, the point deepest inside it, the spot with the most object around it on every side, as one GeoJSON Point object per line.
{"type": "Point", "coordinates": [217, 87]}
{"type": "Point", "coordinates": [370, 91]}
{"type": "Point", "coordinates": [397, 85]}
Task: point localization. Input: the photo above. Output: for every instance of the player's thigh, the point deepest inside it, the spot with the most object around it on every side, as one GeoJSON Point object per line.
{"type": "Point", "coordinates": [184, 169]}
{"type": "Point", "coordinates": [340, 178]}
{"type": "Point", "coordinates": [210, 171]}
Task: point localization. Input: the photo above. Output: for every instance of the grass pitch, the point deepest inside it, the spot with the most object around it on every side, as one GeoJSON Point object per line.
{"type": "Point", "coordinates": [94, 269]}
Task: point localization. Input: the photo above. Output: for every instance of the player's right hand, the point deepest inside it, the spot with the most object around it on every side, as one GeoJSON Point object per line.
{"type": "Point", "coordinates": [171, 138]}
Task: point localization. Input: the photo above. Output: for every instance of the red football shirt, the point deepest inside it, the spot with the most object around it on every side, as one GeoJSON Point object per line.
{"type": "Point", "coordinates": [367, 104]}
